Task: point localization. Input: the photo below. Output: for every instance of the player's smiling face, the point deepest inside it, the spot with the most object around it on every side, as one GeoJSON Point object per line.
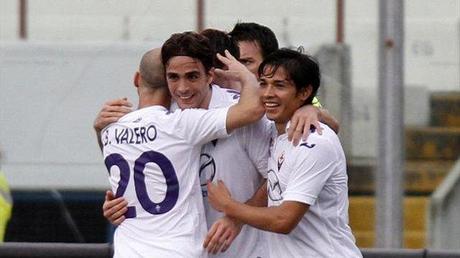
{"type": "Point", "coordinates": [188, 82]}
{"type": "Point", "coordinates": [279, 95]}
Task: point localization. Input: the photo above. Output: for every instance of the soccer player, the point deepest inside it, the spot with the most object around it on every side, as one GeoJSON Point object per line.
{"type": "Point", "coordinates": [240, 160]}
{"type": "Point", "coordinates": [256, 42]}
{"type": "Point", "coordinates": [307, 189]}
{"type": "Point", "coordinates": [152, 156]}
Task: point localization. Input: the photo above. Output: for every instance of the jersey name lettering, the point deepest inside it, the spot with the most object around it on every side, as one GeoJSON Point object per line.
{"type": "Point", "coordinates": [135, 135]}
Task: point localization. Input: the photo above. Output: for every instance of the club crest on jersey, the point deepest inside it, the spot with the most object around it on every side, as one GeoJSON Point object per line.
{"type": "Point", "coordinates": [280, 160]}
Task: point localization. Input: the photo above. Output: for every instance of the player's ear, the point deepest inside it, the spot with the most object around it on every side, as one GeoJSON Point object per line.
{"type": "Point", "coordinates": [306, 92]}
{"type": "Point", "coordinates": [210, 75]}
{"type": "Point", "coordinates": [137, 77]}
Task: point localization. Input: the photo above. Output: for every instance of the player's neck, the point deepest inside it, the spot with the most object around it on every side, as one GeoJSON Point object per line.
{"type": "Point", "coordinates": [280, 127]}
{"type": "Point", "coordinates": [154, 98]}
{"type": "Point", "coordinates": [207, 99]}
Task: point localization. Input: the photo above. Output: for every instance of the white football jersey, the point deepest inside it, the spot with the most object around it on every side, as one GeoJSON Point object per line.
{"type": "Point", "coordinates": [314, 173]}
{"type": "Point", "coordinates": [240, 161]}
{"type": "Point", "coordinates": [152, 157]}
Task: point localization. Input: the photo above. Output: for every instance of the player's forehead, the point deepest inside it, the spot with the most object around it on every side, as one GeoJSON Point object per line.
{"type": "Point", "coordinates": [184, 64]}
{"type": "Point", "coordinates": [274, 73]}
{"type": "Point", "coordinates": [250, 50]}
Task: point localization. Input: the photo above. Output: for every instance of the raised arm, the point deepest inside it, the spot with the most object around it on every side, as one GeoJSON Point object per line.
{"type": "Point", "coordinates": [249, 107]}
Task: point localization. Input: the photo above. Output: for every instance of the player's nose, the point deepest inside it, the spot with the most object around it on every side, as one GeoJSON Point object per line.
{"type": "Point", "coordinates": [182, 86]}
{"type": "Point", "coordinates": [268, 92]}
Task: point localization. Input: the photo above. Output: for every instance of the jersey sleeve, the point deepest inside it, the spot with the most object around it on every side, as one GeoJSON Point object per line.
{"type": "Point", "coordinates": [199, 126]}
{"type": "Point", "coordinates": [255, 140]}
{"type": "Point", "coordinates": [313, 165]}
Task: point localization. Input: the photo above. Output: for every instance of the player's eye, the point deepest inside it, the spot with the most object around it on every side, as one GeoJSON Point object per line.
{"type": "Point", "coordinates": [172, 77]}
{"type": "Point", "coordinates": [193, 76]}
{"type": "Point", "coordinates": [279, 84]}
{"type": "Point", "coordinates": [246, 62]}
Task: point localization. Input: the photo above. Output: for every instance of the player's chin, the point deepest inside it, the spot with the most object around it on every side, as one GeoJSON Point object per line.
{"type": "Point", "coordinates": [271, 114]}
{"type": "Point", "coordinates": [186, 104]}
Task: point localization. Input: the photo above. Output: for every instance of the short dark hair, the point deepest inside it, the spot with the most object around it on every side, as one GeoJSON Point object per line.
{"type": "Point", "coordinates": [301, 69]}
{"type": "Point", "coordinates": [221, 41]}
{"type": "Point", "coordinates": [189, 44]}
{"type": "Point", "coordinates": [250, 31]}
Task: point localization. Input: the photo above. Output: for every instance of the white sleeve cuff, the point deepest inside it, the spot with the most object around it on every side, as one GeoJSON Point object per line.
{"type": "Point", "coordinates": [299, 197]}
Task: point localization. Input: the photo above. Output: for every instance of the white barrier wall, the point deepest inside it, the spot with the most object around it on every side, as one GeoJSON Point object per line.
{"type": "Point", "coordinates": [50, 92]}
{"type": "Point", "coordinates": [49, 96]}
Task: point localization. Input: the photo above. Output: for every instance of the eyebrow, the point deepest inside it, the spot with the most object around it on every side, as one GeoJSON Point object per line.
{"type": "Point", "coordinates": [189, 72]}
{"type": "Point", "coordinates": [192, 72]}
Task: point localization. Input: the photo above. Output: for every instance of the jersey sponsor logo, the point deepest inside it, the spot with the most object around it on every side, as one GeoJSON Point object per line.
{"type": "Point", "coordinates": [305, 144]}
{"type": "Point", "coordinates": [274, 187]}
{"type": "Point", "coordinates": [280, 160]}
{"type": "Point", "coordinates": [207, 171]}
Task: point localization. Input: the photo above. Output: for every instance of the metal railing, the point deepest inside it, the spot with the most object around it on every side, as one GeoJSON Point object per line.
{"type": "Point", "coordinates": [73, 250]}
{"type": "Point", "coordinates": [444, 219]}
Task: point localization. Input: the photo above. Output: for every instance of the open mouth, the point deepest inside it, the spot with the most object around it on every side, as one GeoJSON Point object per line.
{"type": "Point", "coordinates": [185, 98]}
{"type": "Point", "coordinates": [271, 105]}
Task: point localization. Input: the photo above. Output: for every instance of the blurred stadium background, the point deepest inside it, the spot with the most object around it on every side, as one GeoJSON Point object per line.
{"type": "Point", "coordinates": [60, 60]}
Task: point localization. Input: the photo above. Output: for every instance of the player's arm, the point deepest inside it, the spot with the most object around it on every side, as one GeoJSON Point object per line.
{"type": "Point", "coordinates": [280, 219]}
{"type": "Point", "coordinates": [249, 107]}
{"type": "Point", "coordinates": [308, 116]}
{"type": "Point", "coordinates": [222, 233]}
{"type": "Point", "coordinates": [259, 199]}
{"type": "Point", "coordinates": [110, 113]}
{"type": "Point", "coordinates": [327, 118]}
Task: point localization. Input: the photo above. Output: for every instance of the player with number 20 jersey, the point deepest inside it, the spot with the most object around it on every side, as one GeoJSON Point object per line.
{"type": "Point", "coordinates": [152, 157]}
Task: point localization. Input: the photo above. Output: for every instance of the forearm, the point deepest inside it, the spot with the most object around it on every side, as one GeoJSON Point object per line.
{"type": "Point", "coordinates": [326, 118]}
{"type": "Point", "coordinates": [249, 107]}
{"type": "Point", "coordinates": [265, 218]}
{"type": "Point", "coordinates": [259, 199]}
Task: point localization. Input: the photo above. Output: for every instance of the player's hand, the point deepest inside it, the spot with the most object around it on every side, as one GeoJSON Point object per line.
{"type": "Point", "coordinates": [218, 195]}
{"type": "Point", "coordinates": [301, 122]}
{"type": "Point", "coordinates": [114, 208]}
{"type": "Point", "coordinates": [221, 234]}
{"type": "Point", "coordinates": [111, 112]}
{"type": "Point", "coordinates": [236, 70]}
